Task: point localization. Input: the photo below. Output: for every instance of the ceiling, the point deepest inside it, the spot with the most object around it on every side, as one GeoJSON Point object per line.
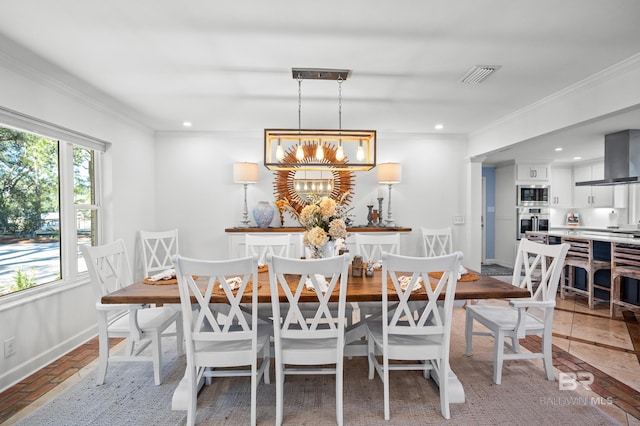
{"type": "Point", "coordinates": [226, 66]}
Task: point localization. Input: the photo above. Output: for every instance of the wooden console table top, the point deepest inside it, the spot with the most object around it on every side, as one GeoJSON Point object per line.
{"type": "Point", "coordinates": [355, 229]}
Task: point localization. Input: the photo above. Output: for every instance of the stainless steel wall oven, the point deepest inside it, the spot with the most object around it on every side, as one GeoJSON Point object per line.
{"type": "Point", "coordinates": [532, 219]}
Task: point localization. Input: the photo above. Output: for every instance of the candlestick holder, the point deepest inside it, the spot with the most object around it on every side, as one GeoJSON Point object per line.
{"type": "Point", "coordinates": [370, 215]}
{"type": "Point", "coordinates": [380, 222]}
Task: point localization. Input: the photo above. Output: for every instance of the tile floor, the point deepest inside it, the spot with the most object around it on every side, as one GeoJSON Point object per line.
{"type": "Point", "coordinates": [584, 341]}
{"type": "Point", "coordinates": [588, 340]}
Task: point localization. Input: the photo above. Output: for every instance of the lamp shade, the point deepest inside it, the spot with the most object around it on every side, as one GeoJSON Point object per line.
{"type": "Point", "coordinates": [389, 173]}
{"type": "Point", "coordinates": [245, 172]}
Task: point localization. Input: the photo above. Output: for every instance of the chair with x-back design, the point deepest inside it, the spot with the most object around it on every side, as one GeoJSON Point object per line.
{"type": "Point", "coordinates": [142, 326]}
{"type": "Point", "coordinates": [307, 337]}
{"type": "Point", "coordinates": [538, 268]}
{"type": "Point", "coordinates": [436, 242]}
{"type": "Point", "coordinates": [370, 247]}
{"type": "Point", "coordinates": [157, 250]}
{"type": "Point", "coordinates": [218, 342]}
{"type": "Point", "coordinates": [401, 334]}
{"type": "Point", "coordinates": [262, 245]}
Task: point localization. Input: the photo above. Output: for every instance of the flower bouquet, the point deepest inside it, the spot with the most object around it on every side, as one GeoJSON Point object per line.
{"type": "Point", "coordinates": [324, 222]}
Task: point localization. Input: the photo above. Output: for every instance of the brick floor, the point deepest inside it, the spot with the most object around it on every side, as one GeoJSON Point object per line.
{"type": "Point", "coordinates": [33, 387]}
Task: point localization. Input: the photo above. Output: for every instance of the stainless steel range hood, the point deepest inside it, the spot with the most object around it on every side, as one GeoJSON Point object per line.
{"type": "Point", "coordinates": [621, 159]}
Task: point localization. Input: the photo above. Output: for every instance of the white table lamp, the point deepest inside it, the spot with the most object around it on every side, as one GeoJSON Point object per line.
{"type": "Point", "coordinates": [245, 173]}
{"type": "Point", "coordinates": [389, 173]}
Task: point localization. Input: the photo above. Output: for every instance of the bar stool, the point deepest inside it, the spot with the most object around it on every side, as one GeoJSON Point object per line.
{"type": "Point", "coordinates": [625, 262]}
{"type": "Point", "coordinates": [542, 239]}
{"type": "Point", "coordinates": [537, 237]}
{"type": "Point", "coordinates": [580, 255]}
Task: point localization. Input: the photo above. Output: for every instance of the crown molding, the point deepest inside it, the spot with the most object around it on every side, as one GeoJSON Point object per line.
{"type": "Point", "coordinates": [605, 74]}
{"type": "Point", "coordinates": [30, 65]}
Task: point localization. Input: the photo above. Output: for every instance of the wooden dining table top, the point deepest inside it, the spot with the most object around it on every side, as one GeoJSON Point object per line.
{"type": "Point", "coordinates": [359, 289]}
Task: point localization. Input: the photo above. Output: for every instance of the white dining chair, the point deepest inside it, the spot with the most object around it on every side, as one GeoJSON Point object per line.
{"type": "Point", "coordinates": [305, 339]}
{"type": "Point", "coordinates": [402, 335]}
{"type": "Point", "coordinates": [142, 326]}
{"type": "Point", "coordinates": [215, 342]}
{"type": "Point", "coordinates": [261, 245]}
{"type": "Point", "coordinates": [538, 268]}
{"type": "Point", "coordinates": [158, 248]}
{"type": "Point", "coordinates": [436, 242]}
{"type": "Point", "coordinates": [370, 247]}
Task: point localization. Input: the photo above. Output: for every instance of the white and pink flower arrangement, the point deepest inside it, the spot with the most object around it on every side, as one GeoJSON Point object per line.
{"type": "Point", "coordinates": [324, 222]}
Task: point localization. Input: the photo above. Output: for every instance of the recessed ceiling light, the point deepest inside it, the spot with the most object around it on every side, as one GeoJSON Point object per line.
{"type": "Point", "coordinates": [186, 123]}
{"type": "Point", "coordinates": [577, 158]}
{"type": "Point", "coordinates": [559, 149]}
{"type": "Point", "coordinates": [439, 126]}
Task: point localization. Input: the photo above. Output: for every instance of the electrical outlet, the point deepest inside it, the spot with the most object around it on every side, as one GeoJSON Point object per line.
{"type": "Point", "coordinates": [458, 220]}
{"type": "Point", "coordinates": [10, 347]}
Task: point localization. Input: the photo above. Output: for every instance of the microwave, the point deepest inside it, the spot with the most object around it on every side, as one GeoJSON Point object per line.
{"type": "Point", "coordinates": [533, 195]}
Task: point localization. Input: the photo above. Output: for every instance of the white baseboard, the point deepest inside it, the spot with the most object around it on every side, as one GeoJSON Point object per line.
{"type": "Point", "coordinates": [30, 366]}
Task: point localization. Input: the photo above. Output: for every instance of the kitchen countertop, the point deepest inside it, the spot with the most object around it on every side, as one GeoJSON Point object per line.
{"type": "Point", "coordinates": [596, 234]}
{"type": "Point", "coordinates": [623, 230]}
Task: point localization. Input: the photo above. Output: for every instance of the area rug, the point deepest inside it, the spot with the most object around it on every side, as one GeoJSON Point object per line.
{"type": "Point", "coordinates": [129, 396]}
{"type": "Point", "coordinates": [495, 270]}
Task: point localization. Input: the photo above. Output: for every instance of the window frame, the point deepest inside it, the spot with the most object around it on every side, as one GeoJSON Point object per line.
{"type": "Point", "coordinates": [69, 255]}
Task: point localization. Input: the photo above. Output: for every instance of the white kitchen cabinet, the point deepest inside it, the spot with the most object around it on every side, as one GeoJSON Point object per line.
{"type": "Point", "coordinates": [621, 196]}
{"type": "Point", "coordinates": [533, 172]}
{"type": "Point", "coordinates": [591, 196]}
{"type": "Point", "coordinates": [561, 187]}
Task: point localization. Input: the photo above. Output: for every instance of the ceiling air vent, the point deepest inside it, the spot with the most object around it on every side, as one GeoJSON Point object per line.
{"type": "Point", "coordinates": [478, 73]}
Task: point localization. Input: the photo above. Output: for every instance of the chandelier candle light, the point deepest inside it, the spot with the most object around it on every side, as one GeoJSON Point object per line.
{"type": "Point", "coordinates": [389, 173]}
{"type": "Point", "coordinates": [245, 173]}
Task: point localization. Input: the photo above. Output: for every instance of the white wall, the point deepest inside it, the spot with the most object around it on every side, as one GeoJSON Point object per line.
{"type": "Point", "coordinates": [196, 193]}
{"type": "Point", "coordinates": [56, 322]}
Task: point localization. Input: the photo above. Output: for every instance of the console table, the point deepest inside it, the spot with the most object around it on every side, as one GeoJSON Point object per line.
{"type": "Point", "coordinates": [236, 237]}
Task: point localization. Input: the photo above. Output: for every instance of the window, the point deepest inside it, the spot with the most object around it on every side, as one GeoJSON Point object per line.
{"type": "Point", "coordinates": [48, 207]}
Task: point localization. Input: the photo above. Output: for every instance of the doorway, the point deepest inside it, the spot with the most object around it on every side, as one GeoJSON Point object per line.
{"type": "Point", "coordinates": [482, 219]}
{"type": "Point", "coordinates": [488, 219]}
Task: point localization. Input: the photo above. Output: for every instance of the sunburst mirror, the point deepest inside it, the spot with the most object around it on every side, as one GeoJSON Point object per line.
{"type": "Point", "coordinates": [290, 184]}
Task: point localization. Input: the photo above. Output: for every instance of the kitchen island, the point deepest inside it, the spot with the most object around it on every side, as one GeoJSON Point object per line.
{"type": "Point", "coordinates": [619, 282]}
{"type": "Point", "coordinates": [596, 232]}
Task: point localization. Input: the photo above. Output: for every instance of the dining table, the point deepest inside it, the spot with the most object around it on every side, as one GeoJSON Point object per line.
{"type": "Point", "coordinates": [360, 289]}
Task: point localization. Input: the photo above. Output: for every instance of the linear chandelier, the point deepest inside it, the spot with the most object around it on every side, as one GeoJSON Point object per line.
{"type": "Point", "coordinates": [303, 149]}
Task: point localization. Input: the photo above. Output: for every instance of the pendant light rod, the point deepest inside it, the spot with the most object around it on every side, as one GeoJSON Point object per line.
{"type": "Point", "coordinates": [299, 150]}
{"type": "Point", "coordinates": [299, 101]}
{"type": "Point", "coordinates": [340, 80]}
